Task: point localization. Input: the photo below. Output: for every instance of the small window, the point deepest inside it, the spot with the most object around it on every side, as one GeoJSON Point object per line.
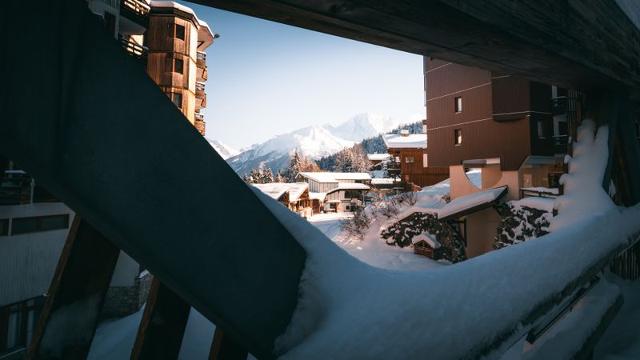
{"type": "Point", "coordinates": [4, 227]}
{"type": "Point", "coordinates": [458, 104]}
{"type": "Point", "coordinates": [39, 223]}
{"type": "Point", "coordinates": [409, 159]}
{"type": "Point", "coordinates": [177, 99]}
{"type": "Point", "coordinates": [180, 32]}
{"type": "Point", "coordinates": [178, 65]}
{"type": "Point", "coordinates": [457, 136]}
{"type": "Point", "coordinates": [425, 160]}
{"type": "Point", "coordinates": [540, 130]}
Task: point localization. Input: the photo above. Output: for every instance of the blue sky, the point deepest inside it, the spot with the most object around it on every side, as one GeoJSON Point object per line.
{"type": "Point", "coordinates": [267, 78]}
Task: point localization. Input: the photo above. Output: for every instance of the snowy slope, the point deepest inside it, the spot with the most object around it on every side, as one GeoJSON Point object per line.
{"type": "Point", "coordinates": [224, 150]}
{"type": "Point", "coordinates": [313, 142]}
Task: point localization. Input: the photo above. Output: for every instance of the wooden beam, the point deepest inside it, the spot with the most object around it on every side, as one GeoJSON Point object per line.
{"type": "Point", "coordinates": [162, 326]}
{"type": "Point", "coordinates": [70, 314]}
{"type": "Point", "coordinates": [107, 142]}
{"type": "Point", "coordinates": [576, 44]}
{"type": "Point", "coordinates": [225, 348]}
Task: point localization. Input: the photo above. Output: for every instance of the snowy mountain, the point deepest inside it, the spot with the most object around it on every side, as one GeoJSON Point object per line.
{"type": "Point", "coordinates": [313, 142]}
{"type": "Point", "coordinates": [224, 150]}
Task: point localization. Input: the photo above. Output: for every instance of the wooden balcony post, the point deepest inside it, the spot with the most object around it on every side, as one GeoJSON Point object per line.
{"type": "Point", "coordinates": [69, 318]}
{"type": "Point", "coordinates": [225, 348]}
{"type": "Point", "coordinates": [162, 326]}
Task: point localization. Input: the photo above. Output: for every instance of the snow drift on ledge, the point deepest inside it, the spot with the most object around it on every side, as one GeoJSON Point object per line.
{"type": "Point", "coordinates": [348, 309]}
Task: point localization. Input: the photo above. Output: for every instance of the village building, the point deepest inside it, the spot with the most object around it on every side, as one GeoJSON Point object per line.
{"type": "Point", "coordinates": [336, 191]}
{"type": "Point", "coordinates": [295, 196]}
{"type": "Point", "coordinates": [169, 41]}
{"type": "Point", "coordinates": [507, 127]}
{"type": "Point", "coordinates": [410, 160]}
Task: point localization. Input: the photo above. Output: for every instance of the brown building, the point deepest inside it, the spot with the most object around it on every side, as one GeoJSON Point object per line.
{"type": "Point", "coordinates": [176, 61]}
{"type": "Point", "coordinates": [410, 160]}
{"type": "Point", "coordinates": [507, 127]}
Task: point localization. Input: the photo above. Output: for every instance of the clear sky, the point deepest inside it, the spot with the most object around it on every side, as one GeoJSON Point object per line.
{"type": "Point", "coordinates": [266, 78]}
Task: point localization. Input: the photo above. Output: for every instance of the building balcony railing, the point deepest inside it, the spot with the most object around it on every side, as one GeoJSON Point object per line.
{"type": "Point", "coordinates": [201, 59]}
{"type": "Point", "coordinates": [135, 10]}
{"type": "Point", "coordinates": [134, 49]}
{"type": "Point", "coordinates": [200, 90]}
{"type": "Point", "coordinates": [198, 117]}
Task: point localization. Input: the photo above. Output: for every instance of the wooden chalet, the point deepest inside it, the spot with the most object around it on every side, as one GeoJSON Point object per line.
{"type": "Point", "coordinates": [336, 191]}
{"type": "Point", "coordinates": [294, 196]}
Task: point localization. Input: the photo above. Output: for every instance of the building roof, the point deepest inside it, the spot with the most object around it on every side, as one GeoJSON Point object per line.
{"type": "Point", "coordinates": [205, 34]}
{"type": "Point", "coordinates": [411, 141]}
{"type": "Point", "coordinates": [378, 157]}
{"type": "Point", "coordinates": [382, 181]}
{"type": "Point", "coordinates": [276, 190]}
{"type": "Point", "coordinates": [334, 177]}
{"type": "Point", "coordinates": [471, 203]}
{"type": "Point", "coordinates": [317, 196]}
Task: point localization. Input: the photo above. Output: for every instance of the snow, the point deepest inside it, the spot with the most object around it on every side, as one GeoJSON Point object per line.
{"type": "Point", "coordinates": [583, 194]}
{"type": "Point", "coordinates": [317, 196]}
{"type": "Point", "coordinates": [565, 339]}
{"type": "Point", "coordinates": [536, 202]}
{"type": "Point", "coordinates": [378, 157]}
{"type": "Point", "coordinates": [351, 186]}
{"type": "Point", "coordinates": [382, 181]}
{"type": "Point", "coordinates": [470, 201]}
{"type": "Point", "coordinates": [622, 339]}
{"type": "Point", "coordinates": [276, 190]}
{"type": "Point", "coordinates": [350, 309]}
{"type": "Point", "coordinates": [225, 151]}
{"type": "Point", "coordinates": [542, 189]}
{"type": "Point", "coordinates": [332, 177]}
{"type": "Point", "coordinates": [175, 5]}
{"type": "Point", "coordinates": [411, 141]}
{"type": "Point", "coordinates": [443, 188]}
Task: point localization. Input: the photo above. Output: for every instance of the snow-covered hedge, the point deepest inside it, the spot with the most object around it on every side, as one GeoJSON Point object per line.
{"type": "Point", "coordinates": [520, 223]}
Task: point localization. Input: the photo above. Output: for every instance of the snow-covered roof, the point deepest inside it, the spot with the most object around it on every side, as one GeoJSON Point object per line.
{"type": "Point", "coordinates": [317, 196]}
{"type": "Point", "coordinates": [536, 202]}
{"type": "Point", "coordinates": [459, 205]}
{"type": "Point", "coordinates": [411, 141]}
{"type": "Point", "coordinates": [382, 181]}
{"type": "Point", "coordinates": [351, 186]}
{"type": "Point", "coordinates": [378, 157]}
{"type": "Point", "coordinates": [203, 26]}
{"type": "Point", "coordinates": [428, 239]}
{"type": "Point", "coordinates": [333, 177]}
{"type": "Point", "coordinates": [276, 190]}
{"type": "Point", "coordinates": [542, 189]}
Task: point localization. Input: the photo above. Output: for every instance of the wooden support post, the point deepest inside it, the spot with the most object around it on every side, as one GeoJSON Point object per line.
{"type": "Point", "coordinates": [225, 348]}
{"type": "Point", "coordinates": [162, 326]}
{"type": "Point", "coordinates": [70, 315]}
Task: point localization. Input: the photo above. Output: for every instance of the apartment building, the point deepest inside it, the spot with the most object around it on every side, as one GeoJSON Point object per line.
{"type": "Point", "coordinates": [514, 131]}
{"type": "Point", "coordinates": [169, 42]}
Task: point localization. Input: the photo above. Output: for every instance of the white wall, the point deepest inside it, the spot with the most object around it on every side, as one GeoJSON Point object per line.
{"type": "Point", "coordinates": [28, 261]}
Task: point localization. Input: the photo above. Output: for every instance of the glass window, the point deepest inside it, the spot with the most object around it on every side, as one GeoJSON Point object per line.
{"type": "Point", "coordinates": [458, 104]}
{"type": "Point", "coordinates": [425, 160]}
{"type": "Point", "coordinates": [16, 324]}
{"type": "Point", "coordinates": [39, 223]}
{"type": "Point", "coordinates": [180, 32]}
{"type": "Point", "coordinates": [178, 65]}
{"type": "Point", "coordinates": [540, 129]}
{"type": "Point", "coordinates": [457, 136]}
{"type": "Point", "coordinates": [409, 159]}
{"type": "Point", "coordinates": [177, 99]}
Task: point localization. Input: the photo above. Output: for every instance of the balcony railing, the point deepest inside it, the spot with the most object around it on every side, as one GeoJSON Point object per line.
{"type": "Point", "coordinates": [201, 59]}
{"type": "Point", "coordinates": [136, 10]}
{"type": "Point", "coordinates": [199, 89]}
{"type": "Point", "coordinates": [199, 117]}
{"type": "Point", "coordinates": [134, 49]}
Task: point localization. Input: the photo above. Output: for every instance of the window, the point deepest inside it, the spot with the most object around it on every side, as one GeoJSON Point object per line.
{"type": "Point", "coordinates": [4, 227]}
{"type": "Point", "coordinates": [409, 159]}
{"type": "Point", "coordinates": [177, 99]}
{"type": "Point", "coordinates": [457, 136]}
{"type": "Point", "coordinates": [180, 32]}
{"type": "Point", "coordinates": [457, 104]}
{"type": "Point", "coordinates": [17, 322]}
{"type": "Point", "coordinates": [425, 160]}
{"type": "Point", "coordinates": [178, 65]}
{"type": "Point", "coordinates": [27, 225]}
{"type": "Point", "coordinates": [540, 129]}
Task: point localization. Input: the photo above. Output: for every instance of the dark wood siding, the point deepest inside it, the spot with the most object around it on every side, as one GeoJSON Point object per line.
{"type": "Point", "coordinates": [416, 172]}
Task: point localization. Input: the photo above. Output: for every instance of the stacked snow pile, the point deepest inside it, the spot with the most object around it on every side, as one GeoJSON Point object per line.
{"type": "Point", "coordinates": [350, 310]}
{"type": "Point", "coordinates": [583, 193]}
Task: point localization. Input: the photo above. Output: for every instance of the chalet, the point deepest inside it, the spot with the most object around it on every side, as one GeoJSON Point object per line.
{"type": "Point", "coordinates": [377, 160]}
{"type": "Point", "coordinates": [513, 130]}
{"type": "Point", "coordinates": [337, 192]}
{"type": "Point", "coordinates": [294, 196]}
{"type": "Point", "coordinates": [410, 160]}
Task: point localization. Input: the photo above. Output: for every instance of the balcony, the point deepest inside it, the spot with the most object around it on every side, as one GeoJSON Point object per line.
{"type": "Point", "coordinates": [136, 11]}
{"type": "Point", "coordinates": [134, 49]}
{"type": "Point", "coordinates": [201, 59]}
